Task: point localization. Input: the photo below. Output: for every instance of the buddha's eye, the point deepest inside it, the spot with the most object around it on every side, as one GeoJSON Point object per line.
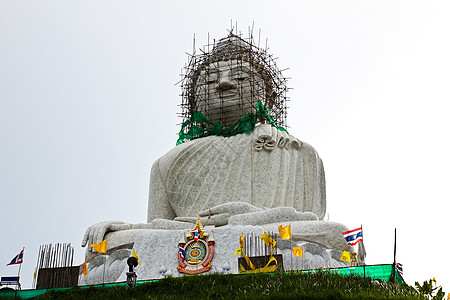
{"type": "Point", "coordinates": [211, 79]}
{"type": "Point", "coordinates": [240, 77]}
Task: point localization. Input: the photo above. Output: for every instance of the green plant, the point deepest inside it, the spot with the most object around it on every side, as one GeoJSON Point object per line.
{"type": "Point", "coordinates": [427, 290]}
{"type": "Point", "coordinates": [277, 285]}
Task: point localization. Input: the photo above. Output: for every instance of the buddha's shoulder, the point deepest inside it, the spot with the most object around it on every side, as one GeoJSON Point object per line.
{"type": "Point", "coordinates": [188, 151]}
{"type": "Point", "coordinates": [264, 136]}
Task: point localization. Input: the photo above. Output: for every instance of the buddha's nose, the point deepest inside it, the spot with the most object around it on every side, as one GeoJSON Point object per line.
{"type": "Point", "coordinates": [226, 83]}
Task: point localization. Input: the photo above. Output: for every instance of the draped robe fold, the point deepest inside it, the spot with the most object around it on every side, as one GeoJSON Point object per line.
{"type": "Point", "coordinates": [267, 168]}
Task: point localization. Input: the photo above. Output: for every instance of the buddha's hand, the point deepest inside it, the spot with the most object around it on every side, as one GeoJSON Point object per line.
{"type": "Point", "coordinates": [96, 233]}
{"type": "Point", "coordinates": [219, 215]}
{"type": "Point", "coordinates": [272, 215]}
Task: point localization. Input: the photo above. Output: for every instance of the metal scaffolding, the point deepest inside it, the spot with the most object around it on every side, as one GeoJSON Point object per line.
{"type": "Point", "coordinates": [228, 78]}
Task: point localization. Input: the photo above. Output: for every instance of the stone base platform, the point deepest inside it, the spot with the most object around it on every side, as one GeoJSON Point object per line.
{"type": "Point", "coordinates": [158, 250]}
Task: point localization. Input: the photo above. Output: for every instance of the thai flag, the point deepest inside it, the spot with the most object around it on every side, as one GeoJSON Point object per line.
{"type": "Point", "coordinates": [399, 267]}
{"type": "Point", "coordinates": [354, 236]}
{"type": "Point", "coordinates": [182, 252]}
{"type": "Point", "coordinates": [18, 259]}
{"type": "Point", "coordinates": [195, 233]}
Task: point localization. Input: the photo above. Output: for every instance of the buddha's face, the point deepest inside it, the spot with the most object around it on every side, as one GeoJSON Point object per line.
{"type": "Point", "coordinates": [227, 90]}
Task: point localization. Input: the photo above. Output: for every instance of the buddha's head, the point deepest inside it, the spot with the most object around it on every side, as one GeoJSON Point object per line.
{"type": "Point", "coordinates": [227, 82]}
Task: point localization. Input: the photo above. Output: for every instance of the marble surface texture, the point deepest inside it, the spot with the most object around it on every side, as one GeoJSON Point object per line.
{"type": "Point", "coordinates": [157, 250]}
{"type": "Point", "coordinates": [267, 169]}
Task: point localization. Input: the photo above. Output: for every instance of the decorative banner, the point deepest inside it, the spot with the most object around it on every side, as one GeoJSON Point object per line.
{"type": "Point", "coordinates": [196, 250]}
{"type": "Point", "coordinates": [268, 240]}
{"type": "Point", "coordinates": [346, 256]}
{"type": "Point", "coordinates": [297, 251]}
{"type": "Point", "coordinates": [137, 257]}
{"type": "Point", "coordinates": [285, 232]}
{"type": "Point", "coordinates": [85, 270]}
{"type": "Point", "coordinates": [240, 250]}
{"type": "Point", "coordinates": [100, 247]}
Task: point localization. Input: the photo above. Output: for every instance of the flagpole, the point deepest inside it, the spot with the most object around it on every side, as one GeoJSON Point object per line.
{"type": "Point", "coordinates": [395, 253]}
{"type": "Point", "coordinates": [395, 244]}
{"type": "Point", "coordinates": [104, 267]}
{"type": "Point", "coordinates": [18, 273]}
{"type": "Point", "coordinates": [290, 241]}
{"type": "Point", "coordinates": [20, 265]}
{"type": "Point", "coordinates": [362, 254]}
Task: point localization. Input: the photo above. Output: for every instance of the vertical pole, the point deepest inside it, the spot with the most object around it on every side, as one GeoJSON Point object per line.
{"type": "Point", "coordinates": [18, 274]}
{"type": "Point", "coordinates": [71, 256]}
{"type": "Point", "coordinates": [36, 270]}
{"type": "Point", "coordinates": [362, 236]}
{"type": "Point", "coordinates": [20, 265]}
{"type": "Point", "coordinates": [290, 243]}
{"type": "Point", "coordinates": [395, 244]}
{"type": "Point", "coordinates": [395, 253]}
{"type": "Point", "coordinates": [104, 268]}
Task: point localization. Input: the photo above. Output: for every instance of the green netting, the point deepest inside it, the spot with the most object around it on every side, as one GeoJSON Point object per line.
{"type": "Point", "coordinates": [27, 294]}
{"type": "Point", "coordinates": [197, 124]}
{"type": "Point", "coordinates": [379, 272]}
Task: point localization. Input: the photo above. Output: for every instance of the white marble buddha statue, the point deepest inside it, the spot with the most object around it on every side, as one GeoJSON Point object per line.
{"type": "Point", "coordinates": [264, 178]}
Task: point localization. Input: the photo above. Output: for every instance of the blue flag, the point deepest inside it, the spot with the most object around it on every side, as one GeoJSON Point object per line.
{"type": "Point", "coordinates": [18, 259]}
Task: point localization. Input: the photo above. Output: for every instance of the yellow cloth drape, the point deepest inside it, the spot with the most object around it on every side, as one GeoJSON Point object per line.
{"type": "Point", "coordinates": [266, 268]}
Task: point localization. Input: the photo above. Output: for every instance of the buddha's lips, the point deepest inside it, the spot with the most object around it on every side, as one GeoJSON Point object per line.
{"type": "Point", "coordinates": [228, 93]}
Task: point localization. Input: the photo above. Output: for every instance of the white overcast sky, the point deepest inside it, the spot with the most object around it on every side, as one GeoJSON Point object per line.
{"type": "Point", "coordinates": [88, 103]}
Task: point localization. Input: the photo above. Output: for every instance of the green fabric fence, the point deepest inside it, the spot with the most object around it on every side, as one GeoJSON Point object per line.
{"type": "Point", "coordinates": [378, 272]}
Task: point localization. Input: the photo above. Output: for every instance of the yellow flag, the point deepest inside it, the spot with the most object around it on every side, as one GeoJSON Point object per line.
{"type": "Point", "coordinates": [241, 245]}
{"type": "Point", "coordinates": [84, 271]}
{"type": "Point", "coordinates": [35, 273]}
{"type": "Point", "coordinates": [285, 232]}
{"type": "Point", "coordinates": [268, 240]}
{"type": "Point", "coordinates": [346, 256]}
{"type": "Point", "coordinates": [241, 240]}
{"type": "Point", "coordinates": [137, 257]}
{"type": "Point", "coordinates": [100, 247]}
{"type": "Point", "coordinates": [297, 251]}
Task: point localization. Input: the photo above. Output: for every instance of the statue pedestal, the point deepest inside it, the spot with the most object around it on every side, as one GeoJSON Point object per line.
{"type": "Point", "coordinates": [157, 248]}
